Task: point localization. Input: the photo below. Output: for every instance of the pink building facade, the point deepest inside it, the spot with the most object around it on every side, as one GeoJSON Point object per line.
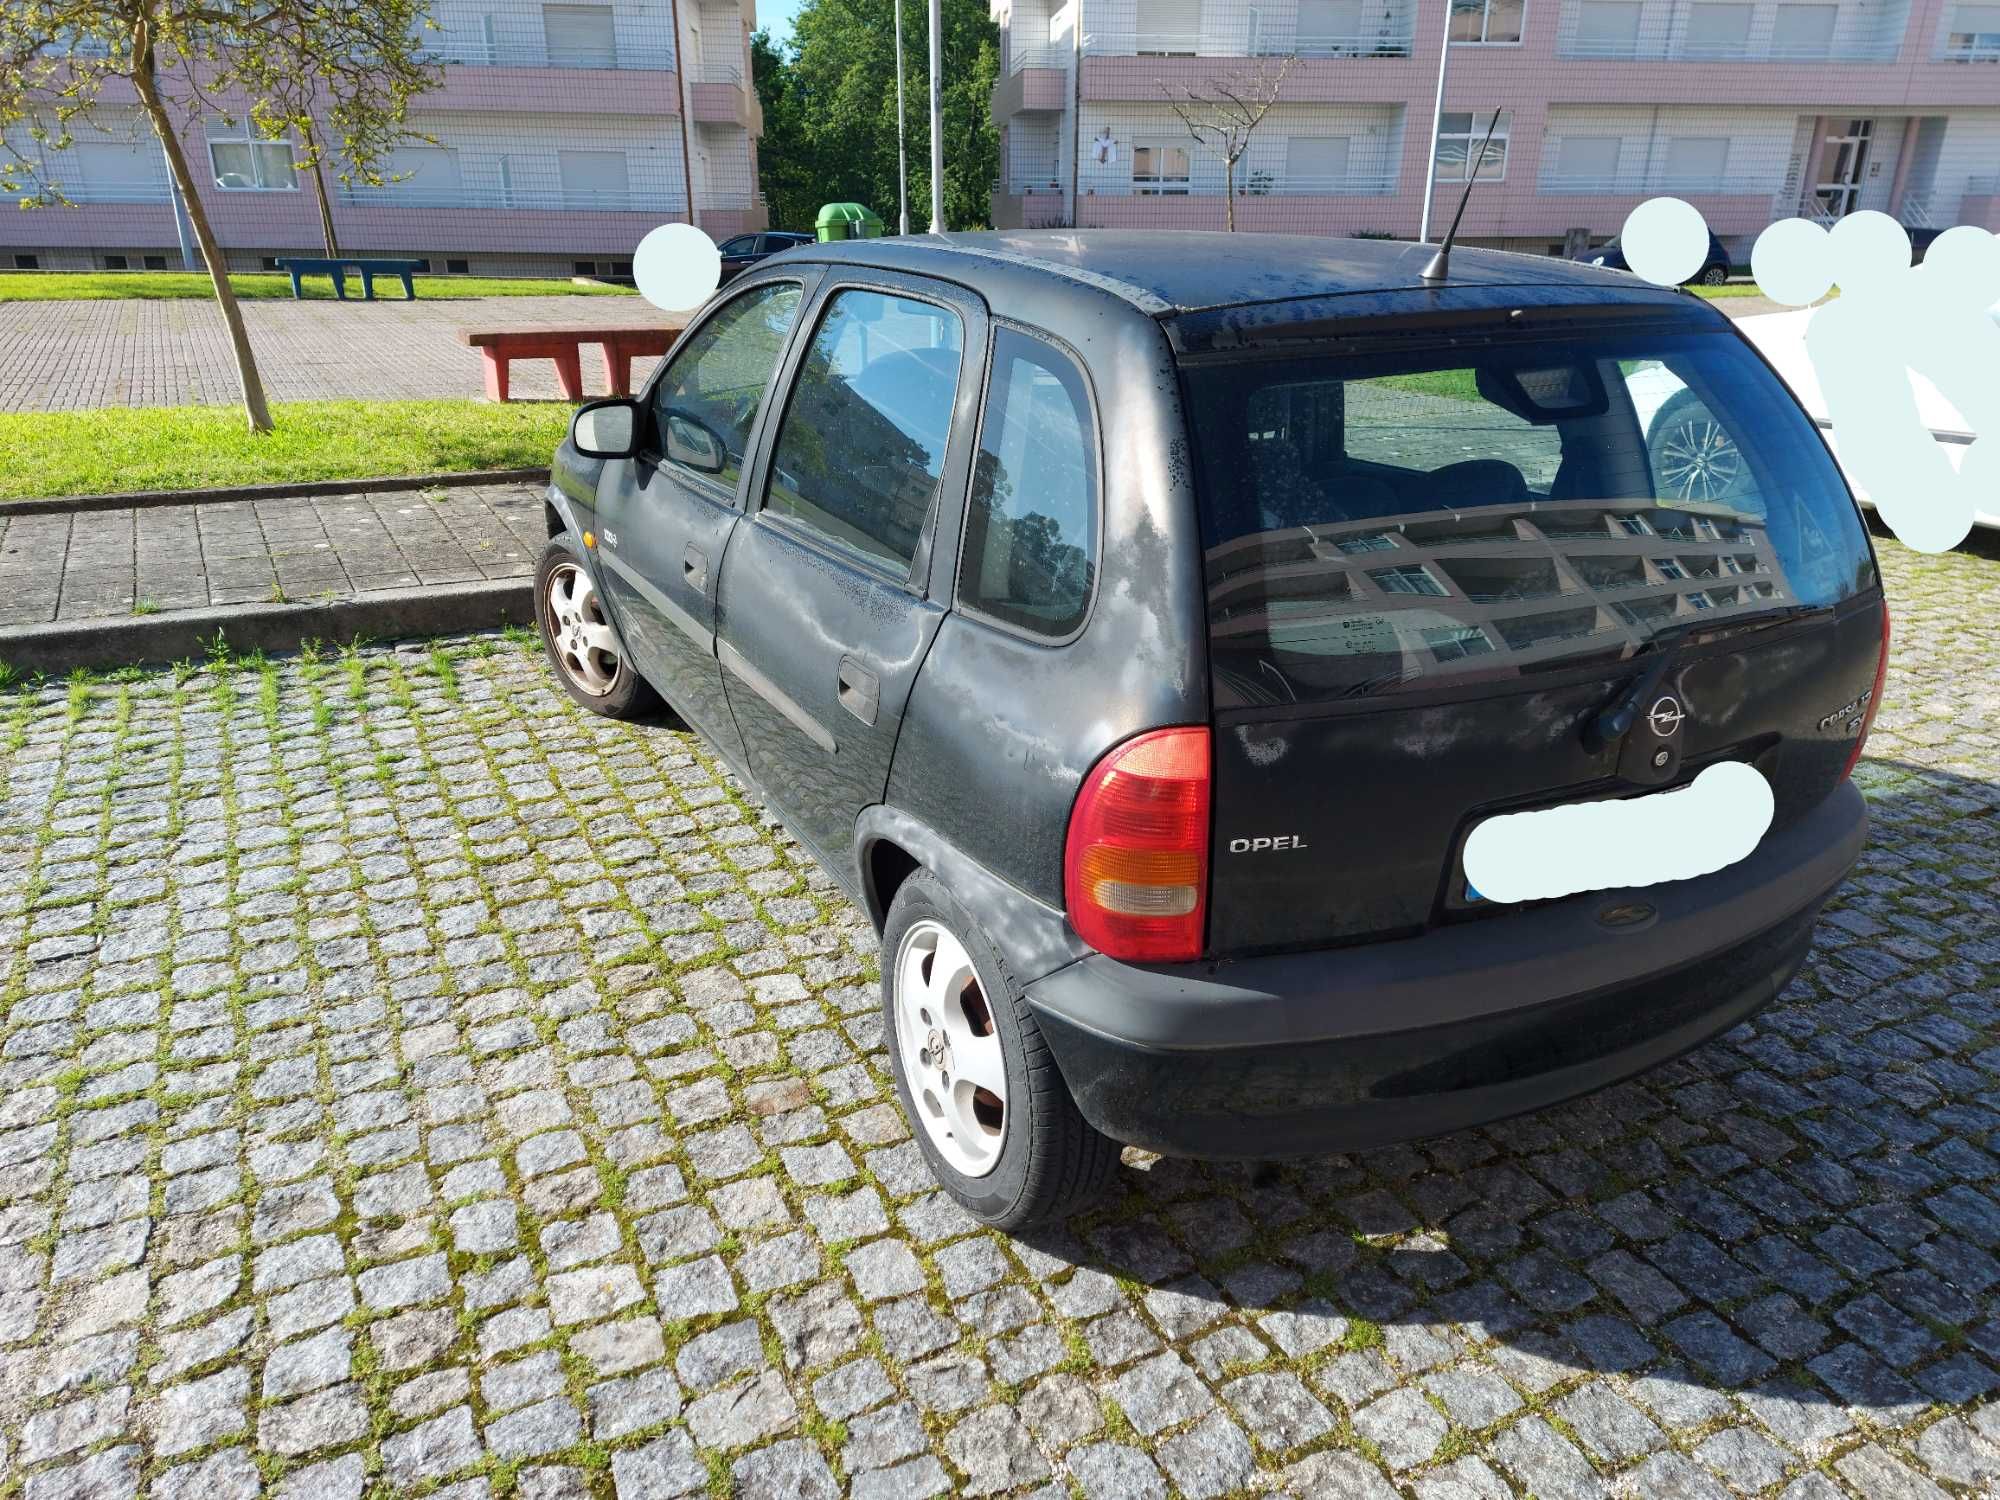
{"type": "Point", "coordinates": [561, 133]}
{"type": "Point", "coordinates": [1753, 110]}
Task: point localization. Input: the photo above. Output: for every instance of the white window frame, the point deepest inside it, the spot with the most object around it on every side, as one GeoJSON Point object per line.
{"type": "Point", "coordinates": [1583, 46]}
{"type": "Point", "coordinates": [1966, 40]}
{"type": "Point", "coordinates": [1159, 185]}
{"type": "Point", "coordinates": [240, 134]}
{"type": "Point", "coordinates": [1480, 119]}
{"type": "Point", "coordinates": [1485, 9]}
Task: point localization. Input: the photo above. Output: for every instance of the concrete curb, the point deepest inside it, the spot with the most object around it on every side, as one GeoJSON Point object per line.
{"type": "Point", "coordinates": [145, 499]}
{"type": "Point", "coordinates": [187, 634]}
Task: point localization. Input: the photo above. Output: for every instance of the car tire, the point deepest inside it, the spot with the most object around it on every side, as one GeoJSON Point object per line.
{"type": "Point", "coordinates": [1714, 275]}
{"type": "Point", "coordinates": [1694, 458]}
{"type": "Point", "coordinates": [582, 644]}
{"type": "Point", "coordinates": [1039, 1158]}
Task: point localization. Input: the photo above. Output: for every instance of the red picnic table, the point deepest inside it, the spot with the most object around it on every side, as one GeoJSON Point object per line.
{"type": "Point", "coordinates": [565, 347]}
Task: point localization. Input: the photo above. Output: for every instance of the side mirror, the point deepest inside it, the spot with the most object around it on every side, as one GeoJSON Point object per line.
{"type": "Point", "coordinates": [606, 429]}
{"type": "Point", "coordinates": [693, 444]}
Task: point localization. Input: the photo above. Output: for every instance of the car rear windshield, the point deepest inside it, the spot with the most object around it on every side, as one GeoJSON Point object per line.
{"type": "Point", "coordinates": [1378, 522]}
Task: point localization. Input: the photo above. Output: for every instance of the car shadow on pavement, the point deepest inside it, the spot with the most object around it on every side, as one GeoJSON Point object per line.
{"type": "Point", "coordinates": [1796, 1222]}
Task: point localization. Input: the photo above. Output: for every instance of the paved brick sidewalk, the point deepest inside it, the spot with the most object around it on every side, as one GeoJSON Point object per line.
{"type": "Point", "coordinates": [60, 356]}
{"type": "Point", "coordinates": [410, 1085]}
{"type": "Point", "coordinates": [94, 565]}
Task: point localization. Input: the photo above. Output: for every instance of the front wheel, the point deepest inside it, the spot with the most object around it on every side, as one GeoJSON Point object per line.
{"type": "Point", "coordinates": [1694, 457]}
{"type": "Point", "coordinates": [991, 1113]}
{"type": "Point", "coordinates": [1715, 276]}
{"type": "Point", "coordinates": [585, 651]}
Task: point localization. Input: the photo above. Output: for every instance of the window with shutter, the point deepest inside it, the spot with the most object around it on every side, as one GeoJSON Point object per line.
{"type": "Point", "coordinates": [1975, 34]}
{"type": "Point", "coordinates": [1168, 28]}
{"type": "Point", "coordinates": [594, 179]}
{"type": "Point", "coordinates": [1695, 164]}
{"type": "Point", "coordinates": [1588, 163]}
{"type": "Point", "coordinates": [1607, 28]}
{"type": "Point", "coordinates": [1803, 32]}
{"type": "Point", "coordinates": [579, 36]}
{"type": "Point", "coordinates": [1316, 164]}
{"type": "Point", "coordinates": [1329, 28]}
{"type": "Point", "coordinates": [1717, 30]}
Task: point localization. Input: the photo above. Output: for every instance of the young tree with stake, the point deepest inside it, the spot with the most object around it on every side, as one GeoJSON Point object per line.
{"type": "Point", "coordinates": [1223, 115]}
{"type": "Point", "coordinates": [273, 60]}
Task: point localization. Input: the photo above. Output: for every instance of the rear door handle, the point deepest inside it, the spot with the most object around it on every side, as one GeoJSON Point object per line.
{"type": "Point", "coordinates": [694, 568]}
{"type": "Point", "coordinates": [860, 690]}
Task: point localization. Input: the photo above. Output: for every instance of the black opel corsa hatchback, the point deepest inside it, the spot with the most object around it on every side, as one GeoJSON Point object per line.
{"type": "Point", "coordinates": [1140, 626]}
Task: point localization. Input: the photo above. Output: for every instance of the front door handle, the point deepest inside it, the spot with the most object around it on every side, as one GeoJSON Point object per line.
{"type": "Point", "coordinates": [694, 568]}
{"type": "Point", "coordinates": [860, 690]}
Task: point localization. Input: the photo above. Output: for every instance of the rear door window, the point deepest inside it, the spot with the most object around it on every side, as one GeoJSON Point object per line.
{"type": "Point", "coordinates": [862, 444]}
{"type": "Point", "coordinates": [1031, 529]}
{"type": "Point", "coordinates": [1377, 522]}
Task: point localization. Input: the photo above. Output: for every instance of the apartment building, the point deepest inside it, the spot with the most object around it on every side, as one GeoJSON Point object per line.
{"type": "Point", "coordinates": [1753, 110]}
{"type": "Point", "coordinates": [560, 134]}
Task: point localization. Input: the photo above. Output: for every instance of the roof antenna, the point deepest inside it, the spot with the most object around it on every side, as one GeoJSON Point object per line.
{"type": "Point", "coordinates": [1440, 264]}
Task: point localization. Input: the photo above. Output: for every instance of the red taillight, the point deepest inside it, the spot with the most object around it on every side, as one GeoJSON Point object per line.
{"type": "Point", "coordinates": [1874, 699]}
{"type": "Point", "coordinates": [1135, 868]}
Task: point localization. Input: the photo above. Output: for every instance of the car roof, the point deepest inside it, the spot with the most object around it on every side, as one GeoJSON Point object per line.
{"type": "Point", "coordinates": [1166, 272]}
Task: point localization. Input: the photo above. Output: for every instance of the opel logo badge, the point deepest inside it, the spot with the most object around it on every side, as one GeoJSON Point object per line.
{"type": "Point", "coordinates": [1665, 716]}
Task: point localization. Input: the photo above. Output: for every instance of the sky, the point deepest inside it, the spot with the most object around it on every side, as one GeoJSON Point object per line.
{"type": "Point", "coordinates": [775, 16]}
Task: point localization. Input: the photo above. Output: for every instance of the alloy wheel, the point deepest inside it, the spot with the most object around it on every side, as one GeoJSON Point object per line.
{"type": "Point", "coordinates": [1695, 458]}
{"type": "Point", "coordinates": [950, 1049]}
{"type": "Point", "coordinates": [579, 632]}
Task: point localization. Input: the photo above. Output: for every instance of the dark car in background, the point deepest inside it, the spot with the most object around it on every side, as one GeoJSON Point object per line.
{"type": "Point", "coordinates": [1143, 627]}
{"type": "Point", "coordinates": [1714, 266]}
{"type": "Point", "coordinates": [741, 252]}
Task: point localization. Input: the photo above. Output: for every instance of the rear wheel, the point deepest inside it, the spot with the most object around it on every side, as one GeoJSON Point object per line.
{"type": "Point", "coordinates": [1693, 455]}
{"type": "Point", "coordinates": [1715, 275]}
{"type": "Point", "coordinates": [589, 658]}
{"type": "Point", "coordinates": [991, 1113]}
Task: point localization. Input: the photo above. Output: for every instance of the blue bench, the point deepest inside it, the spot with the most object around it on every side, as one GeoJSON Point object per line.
{"type": "Point", "coordinates": [369, 267]}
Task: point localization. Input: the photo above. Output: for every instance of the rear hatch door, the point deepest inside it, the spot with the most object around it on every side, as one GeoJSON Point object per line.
{"type": "Point", "coordinates": [1441, 554]}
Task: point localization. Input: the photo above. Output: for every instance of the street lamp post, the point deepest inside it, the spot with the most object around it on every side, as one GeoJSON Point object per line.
{"type": "Point", "coordinates": [937, 117]}
{"type": "Point", "coordinates": [902, 151]}
{"type": "Point", "coordinates": [1437, 122]}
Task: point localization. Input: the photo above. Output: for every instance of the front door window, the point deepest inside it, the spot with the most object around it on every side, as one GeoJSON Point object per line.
{"type": "Point", "coordinates": [717, 380]}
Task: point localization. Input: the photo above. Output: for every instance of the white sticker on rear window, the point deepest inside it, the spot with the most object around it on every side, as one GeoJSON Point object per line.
{"type": "Point", "coordinates": [1708, 825]}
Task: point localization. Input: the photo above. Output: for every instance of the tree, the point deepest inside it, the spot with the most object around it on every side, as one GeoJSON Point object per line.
{"type": "Point", "coordinates": [829, 101]}
{"type": "Point", "coordinates": [61, 58]}
{"type": "Point", "coordinates": [348, 103]}
{"type": "Point", "coordinates": [1223, 115]}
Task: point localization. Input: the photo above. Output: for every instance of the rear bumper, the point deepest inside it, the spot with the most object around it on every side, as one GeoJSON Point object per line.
{"type": "Point", "coordinates": [1356, 1047]}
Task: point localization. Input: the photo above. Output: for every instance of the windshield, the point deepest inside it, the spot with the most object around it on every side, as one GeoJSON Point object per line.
{"type": "Point", "coordinates": [1377, 522]}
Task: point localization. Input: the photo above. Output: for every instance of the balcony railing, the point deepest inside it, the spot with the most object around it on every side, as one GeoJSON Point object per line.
{"type": "Point", "coordinates": [715, 73]}
{"type": "Point", "coordinates": [1387, 38]}
{"type": "Point", "coordinates": [1982, 49]}
{"type": "Point", "coordinates": [83, 192]}
{"type": "Point", "coordinates": [1657, 49]}
{"type": "Point", "coordinates": [1253, 184]}
{"type": "Point", "coordinates": [1639, 185]}
{"type": "Point", "coordinates": [1036, 55]}
{"type": "Point", "coordinates": [535, 200]}
{"type": "Point", "coordinates": [480, 54]}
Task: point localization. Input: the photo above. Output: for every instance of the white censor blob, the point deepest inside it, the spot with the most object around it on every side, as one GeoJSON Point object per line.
{"type": "Point", "coordinates": [676, 267]}
{"type": "Point", "coordinates": [1665, 240]}
{"type": "Point", "coordinates": [1703, 827]}
{"type": "Point", "coordinates": [1790, 263]}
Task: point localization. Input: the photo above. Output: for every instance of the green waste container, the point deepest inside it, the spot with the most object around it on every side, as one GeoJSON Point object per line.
{"type": "Point", "coordinates": [847, 221]}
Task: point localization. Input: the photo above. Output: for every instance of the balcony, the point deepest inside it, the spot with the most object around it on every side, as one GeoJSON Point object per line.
{"type": "Point", "coordinates": [1881, 48]}
{"type": "Point", "coordinates": [1250, 35]}
{"type": "Point", "coordinates": [85, 193]}
{"type": "Point", "coordinates": [1638, 185]}
{"type": "Point", "coordinates": [484, 54]}
{"type": "Point", "coordinates": [1020, 58]}
{"type": "Point", "coordinates": [409, 194]}
{"type": "Point", "coordinates": [716, 95]}
{"type": "Point", "coordinates": [1982, 48]}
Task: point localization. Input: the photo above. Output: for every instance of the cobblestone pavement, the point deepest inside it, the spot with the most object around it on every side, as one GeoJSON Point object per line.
{"type": "Point", "coordinates": [409, 1086]}
{"type": "Point", "coordinates": [86, 565]}
{"type": "Point", "coordinates": [68, 356]}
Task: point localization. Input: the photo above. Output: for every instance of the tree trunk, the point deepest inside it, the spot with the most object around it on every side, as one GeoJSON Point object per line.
{"type": "Point", "coordinates": [319, 192]}
{"type": "Point", "coordinates": [145, 81]}
{"type": "Point", "coordinates": [1229, 190]}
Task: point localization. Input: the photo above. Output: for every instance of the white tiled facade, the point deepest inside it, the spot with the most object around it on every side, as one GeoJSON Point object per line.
{"type": "Point", "coordinates": [1751, 109]}
{"type": "Point", "coordinates": [559, 135]}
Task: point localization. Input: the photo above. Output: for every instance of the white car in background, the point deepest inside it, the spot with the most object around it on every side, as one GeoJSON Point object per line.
{"type": "Point", "coordinates": [1694, 458]}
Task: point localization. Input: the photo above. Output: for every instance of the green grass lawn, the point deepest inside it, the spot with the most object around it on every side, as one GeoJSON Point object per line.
{"type": "Point", "coordinates": [105, 286]}
{"type": "Point", "coordinates": [121, 449]}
